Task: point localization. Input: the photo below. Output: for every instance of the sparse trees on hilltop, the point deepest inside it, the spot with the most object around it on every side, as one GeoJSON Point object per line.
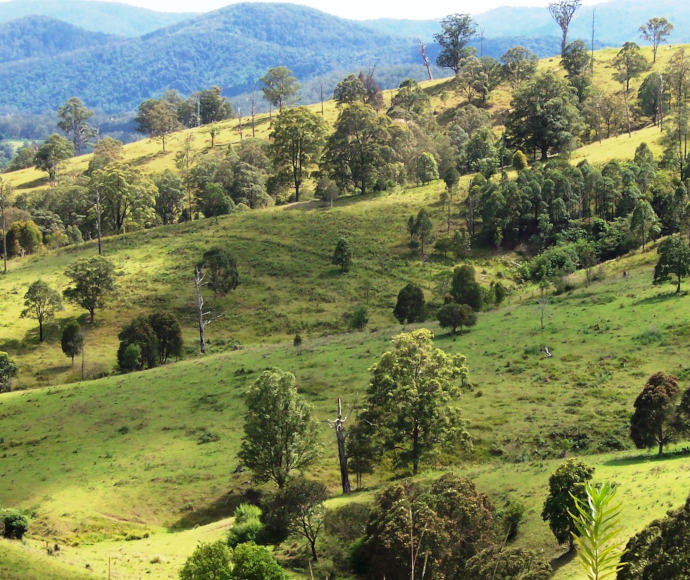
{"type": "Point", "coordinates": [279, 86]}
{"type": "Point", "coordinates": [73, 122]}
{"type": "Point", "coordinates": [157, 118]}
{"type": "Point", "coordinates": [298, 139]}
{"type": "Point", "coordinates": [457, 31]}
{"type": "Point", "coordinates": [54, 151]}
{"type": "Point", "coordinates": [562, 11]}
{"type": "Point", "coordinates": [655, 31]}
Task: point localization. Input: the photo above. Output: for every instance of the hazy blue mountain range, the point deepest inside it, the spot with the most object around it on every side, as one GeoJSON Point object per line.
{"type": "Point", "coordinates": [232, 47]}
{"type": "Point", "coordinates": [40, 36]}
{"type": "Point", "coordinates": [108, 17]}
{"type": "Point", "coordinates": [616, 22]}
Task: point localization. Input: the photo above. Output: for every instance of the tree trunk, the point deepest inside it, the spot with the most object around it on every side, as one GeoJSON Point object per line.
{"type": "Point", "coordinates": [415, 450]}
{"type": "Point", "coordinates": [92, 312]}
{"type": "Point", "coordinates": [678, 286]}
{"type": "Point", "coordinates": [342, 455]}
{"type": "Point", "coordinates": [312, 545]}
{"type": "Point", "coordinates": [40, 329]}
{"type": "Point", "coordinates": [98, 222]}
{"type": "Point", "coordinates": [199, 308]}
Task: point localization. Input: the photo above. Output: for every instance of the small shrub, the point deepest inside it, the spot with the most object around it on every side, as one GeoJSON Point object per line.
{"type": "Point", "coordinates": [297, 341]}
{"type": "Point", "coordinates": [208, 437]}
{"type": "Point", "coordinates": [649, 336]}
{"type": "Point", "coordinates": [208, 561]}
{"type": "Point", "coordinates": [247, 525]}
{"type": "Point", "coordinates": [359, 318]}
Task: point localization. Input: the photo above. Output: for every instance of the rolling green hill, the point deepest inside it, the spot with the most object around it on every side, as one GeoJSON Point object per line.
{"type": "Point", "coordinates": [127, 473]}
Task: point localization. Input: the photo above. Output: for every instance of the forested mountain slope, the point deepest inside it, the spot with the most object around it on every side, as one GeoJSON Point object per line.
{"type": "Point", "coordinates": [40, 36]}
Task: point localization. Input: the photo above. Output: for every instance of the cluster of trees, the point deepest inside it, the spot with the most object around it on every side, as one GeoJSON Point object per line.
{"type": "Point", "coordinates": [149, 341]}
{"type": "Point", "coordinates": [462, 298]}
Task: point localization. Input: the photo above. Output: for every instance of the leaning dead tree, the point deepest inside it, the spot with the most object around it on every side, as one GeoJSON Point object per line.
{"type": "Point", "coordinates": [203, 317]}
{"type": "Point", "coordinates": [425, 58]}
{"type": "Point", "coordinates": [338, 425]}
{"type": "Point", "coordinates": [562, 11]}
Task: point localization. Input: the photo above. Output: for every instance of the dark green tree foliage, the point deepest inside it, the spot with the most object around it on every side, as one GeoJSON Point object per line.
{"type": "Point", "coordinates": [23, 237]}
{"type": "Point", "coordinates": [168, 333]}
{"type": "Point", "coordinates": [361, 451]}
{"type": "Point", "coordinates": [519, 64]}
{"type": "Point", "coordinates": [358, 150]}
{"type": "Point", "coordinates": [92, 279]}
{"type": "Point", "coordinates": [452, 315]}
{"type": "Point", "coordinates": [8, 370]}
{"type": "Point", "coordinates": [252, 562]}
{"type": "Point", "coordinates": [23, 158]}
{"type": "Point", "coordinates": [342, 255]}
{"type": "Point", "coordinates": [576, 60]}
{"type": "Point", "coordinates": [214, 201]}
{"type": "Point", "coordinates": [410, 305]}
{"type": "Point", "coordinates": [140, 333]}
{"type": "Point", "coordinates": [208, 561]}
{"type": "Point", "coordinates": [567, 481]}
{"type": "Point", "coordinates": [660, 550]}
{"type": "Point", "coordinates": [170, 198]}
{"type": "Point", "coordinates": [349, 90]}
{"type": "Point", "coordinates": [298, 140]}
{"type": "Point", "coordinates": [280, 434]}
{"type": "Point", "coordinates": [41, 302]}
{"type": "Point", "coordinates": [157, 118]}
{"type": "Point", "coordinates": [465, 289]}
{"type": "Point", "coordinates": [222, 269]}
{"type": "Point", "coordinates": [653, 422]}
{"type": "Point", "coordinates": [409, 399]}
{"type": "Point", "coordinates": [449, 520]}
{"type": "Point", "coordinates": [456, 31]}
{"type": "Point", "coordinates": [213, 106]}
{"type": "Point", "coordinates": [279, 86]}
{"type": "Point", "coordinates": [653, 96]}
{"type": "Point", "coordinates": [674, 261]}
{"type": "Point", "coordinates": [507, 564]}
{"type": "Point", "coordinates": [48, 157]}
{"type": "Point", "coordinates": [544, 116]}
{"type": "Point", "coordinates": [73, 117]}
{"type": "Point", "coordinates": [72, 341]}
{"type": "Point", "coordinates": [15, 524]}
{"type": "Point", "coordinates": [629, 63]}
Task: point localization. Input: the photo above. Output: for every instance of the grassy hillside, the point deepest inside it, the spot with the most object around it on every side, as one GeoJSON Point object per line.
{"type": "Point", "coordinates": [118, 471]}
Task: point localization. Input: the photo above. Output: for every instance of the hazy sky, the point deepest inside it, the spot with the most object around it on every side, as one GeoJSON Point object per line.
{"type": "Point", "coordinates": [359, 9]}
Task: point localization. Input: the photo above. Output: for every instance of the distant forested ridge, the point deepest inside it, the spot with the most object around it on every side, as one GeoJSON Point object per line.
{"type": "Point", "coordinates": [108, 17]}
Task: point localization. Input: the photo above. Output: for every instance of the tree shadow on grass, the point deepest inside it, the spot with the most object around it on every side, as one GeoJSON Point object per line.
{"type": "Point", "coordinates": [683, 453]}
{"type": "Point", "coordinates": [562, 560]}
{"type": "Point", "coordinates": [222, 507]}
{"type": "Point", "coordinates": [33, 184]}
{"type": "Point", "coordinates": [657, 298]}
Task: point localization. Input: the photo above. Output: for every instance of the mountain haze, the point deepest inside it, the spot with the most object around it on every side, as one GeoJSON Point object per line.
{"type": "Point", "coordinates": [232, 47]}
{"type": "Point", "coordinates": [107, 17]}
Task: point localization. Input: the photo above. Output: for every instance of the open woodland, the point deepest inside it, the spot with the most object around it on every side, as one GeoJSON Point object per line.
{"type": "Point", "coordinates": [128, 472]}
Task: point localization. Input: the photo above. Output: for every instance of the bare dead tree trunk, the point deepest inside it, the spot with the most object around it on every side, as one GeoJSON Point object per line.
{"type": "Point", "coordinates": [321, 86]}
{"type": "Point", "coordinates": [98, 221]}
{"type": "Point", "coordinates": [338, 425]}
{"type": "Point", "coordinates": [252, 105]}
{"type": "Point", "coordinates": [425, 58]}
{"type": "Point", "coordinates": [3, 193]}
{"type": "Point", "coordinates": [239, 125]}
{"type": "Point", "coordinates": [198, 282]}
